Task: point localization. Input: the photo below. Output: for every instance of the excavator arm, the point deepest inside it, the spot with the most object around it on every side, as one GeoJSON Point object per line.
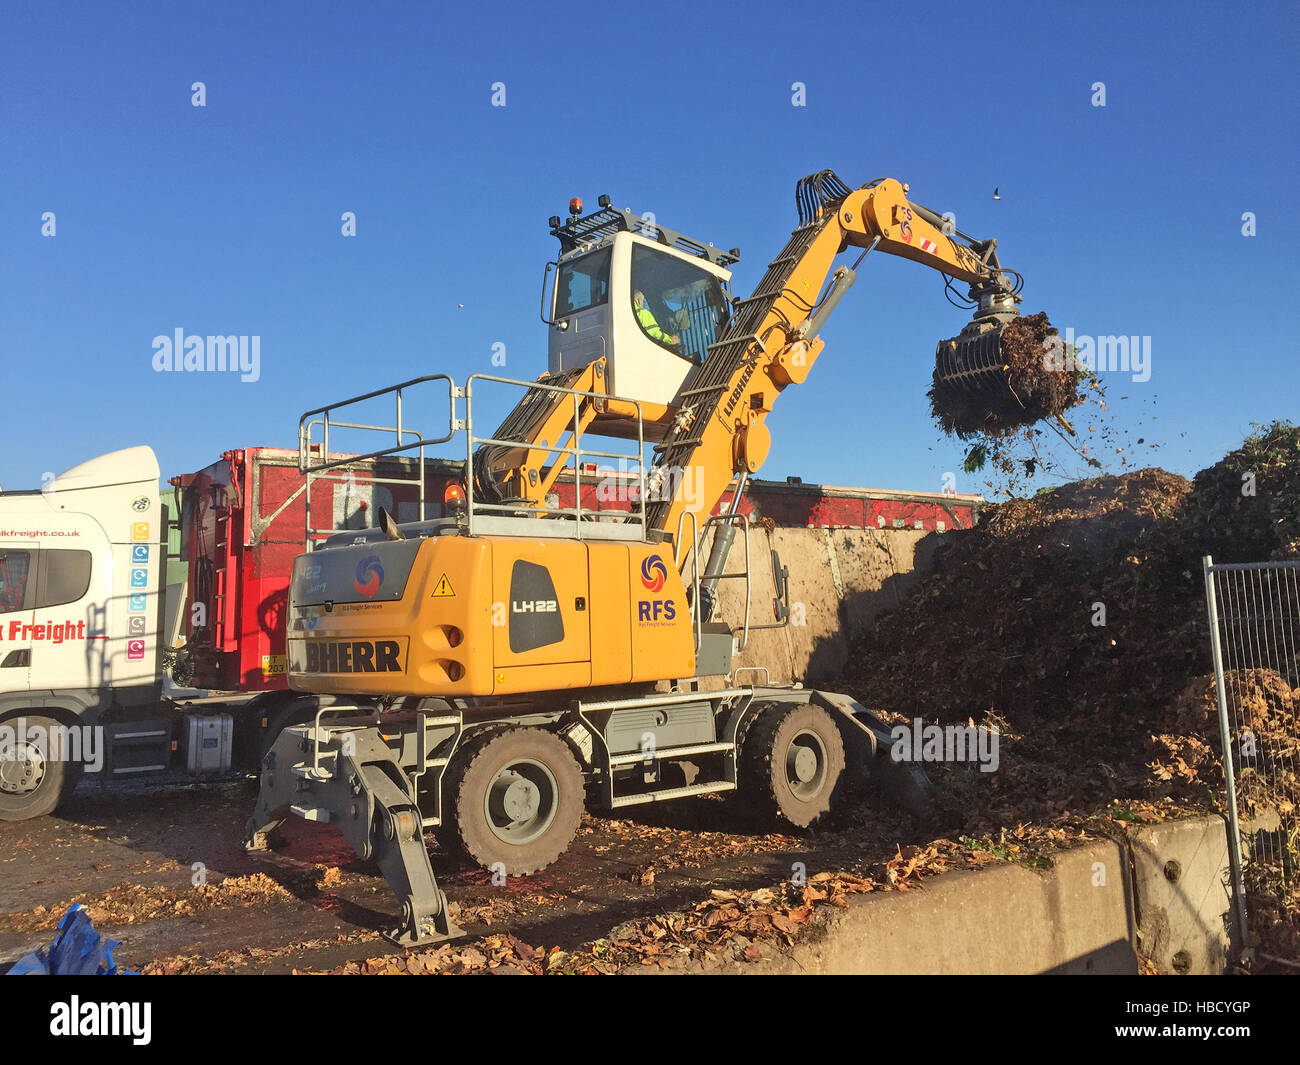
{"type": "Point", "coordinates": [720, 429]}
{"type": "Point", "coordinates": [914, 232]}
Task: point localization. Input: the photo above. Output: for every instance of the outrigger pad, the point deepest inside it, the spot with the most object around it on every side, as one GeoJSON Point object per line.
{"type": "Point", "coordinates": [358, 785]}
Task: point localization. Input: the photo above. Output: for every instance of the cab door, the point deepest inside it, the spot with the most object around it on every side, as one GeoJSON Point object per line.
{"type": "Point", "coordinates": [68, 618]}
{"type": "Point", "coordinates": [19, 562]}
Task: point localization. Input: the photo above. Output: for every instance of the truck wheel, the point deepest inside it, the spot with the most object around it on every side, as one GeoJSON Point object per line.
{"type": "Point", "coordinates": [790, 762]}
{"type": "Point", "coordinates": [514, 797]}
{"type": "Point", "coordinates": [31, 783]}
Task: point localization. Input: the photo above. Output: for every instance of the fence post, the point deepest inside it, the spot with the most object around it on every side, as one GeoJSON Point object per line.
{"type": "Point", "coordinates": [1229, 774]}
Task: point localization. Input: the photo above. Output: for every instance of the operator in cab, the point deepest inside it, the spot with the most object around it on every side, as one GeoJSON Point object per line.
{"type": "Point", "coordinates": [645, 316]}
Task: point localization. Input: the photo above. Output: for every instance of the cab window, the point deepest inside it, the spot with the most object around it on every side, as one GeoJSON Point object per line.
{"type": "Point", "coordinates": [679, 301]}
{"type": "Point", "coordinates": [582, 284]}
{"type": "Point", "coordinates": [65, 577]}
{"type": "Point", "coordinates": [14, 569]}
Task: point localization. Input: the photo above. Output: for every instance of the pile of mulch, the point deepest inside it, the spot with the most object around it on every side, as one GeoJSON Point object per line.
{"type": "Point", "coordinates": [1074, 622]}
{"type": "Point", "coordinates": [1004, 623]}
{"type": "Point", "coordinates": [1246, 508]}
{"type": "Point", "coordinates": [136, 903]}
{"type": "Point", "coordinates": [1026, 389]}
{"type": "Point", "coordinates": [1264, 721]}
{"type": "Point", "coordinates": [1076, 619]}
{"type": "Point", "coordinates": [1084, 603]}
{"type": "Point", "coordinates": [504, 955]}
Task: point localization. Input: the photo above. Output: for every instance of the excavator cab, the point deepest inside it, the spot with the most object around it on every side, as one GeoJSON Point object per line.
{"type": "Point", "coordinates": [646, 299]}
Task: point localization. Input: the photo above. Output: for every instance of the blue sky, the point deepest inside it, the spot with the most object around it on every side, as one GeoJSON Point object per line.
{"type": "Point", "coordinates": [225, 219]}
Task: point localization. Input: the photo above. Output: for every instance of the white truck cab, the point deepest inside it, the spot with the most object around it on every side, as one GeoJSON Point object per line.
{"type": "Point", "coordinates": [80, 565]}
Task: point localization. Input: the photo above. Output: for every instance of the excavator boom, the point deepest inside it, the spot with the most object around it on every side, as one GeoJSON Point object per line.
{"type": "Point", "coordinates": [772, 342]}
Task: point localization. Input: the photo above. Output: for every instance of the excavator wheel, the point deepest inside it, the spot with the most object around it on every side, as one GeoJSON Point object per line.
{"type": "Point", "coordinates": [791, 760]}
{"type": "Point", "coordinates": [513, 800]}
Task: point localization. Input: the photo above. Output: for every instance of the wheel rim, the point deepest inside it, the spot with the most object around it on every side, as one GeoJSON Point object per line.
{"type": "Point", "coordinates": [520, 801]}
{"type": "Point", "coordinates": [23, 771]}
{"type": "Point", "coordinates": [805, 765]}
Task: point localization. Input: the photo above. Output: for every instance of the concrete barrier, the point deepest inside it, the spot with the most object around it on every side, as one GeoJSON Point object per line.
{"type": "Point", "coordinates": [1183, 891]}
{"type": "Point", "coordinates": [1093, 911]}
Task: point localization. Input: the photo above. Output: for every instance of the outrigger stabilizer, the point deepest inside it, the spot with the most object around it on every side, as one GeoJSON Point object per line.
{"type": "Point", "coordinates": [346, 774]}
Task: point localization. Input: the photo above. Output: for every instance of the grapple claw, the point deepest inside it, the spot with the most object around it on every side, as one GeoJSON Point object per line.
{"type": "Point", "coordinates": [972, 361]}
{"type": "Point", "coordinates": [996, 376]}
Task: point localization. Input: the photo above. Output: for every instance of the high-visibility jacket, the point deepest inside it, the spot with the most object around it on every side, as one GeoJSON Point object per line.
{"type": "Point", "coordinates": [648, 323]}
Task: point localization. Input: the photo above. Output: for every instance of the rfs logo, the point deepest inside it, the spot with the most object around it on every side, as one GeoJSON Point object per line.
{"type": "Point", "coordinates": [653, 573]}
{"type": "Point", "coordinates": [904, 219]}
{"type": "Point", "coordinates": [369, 576]}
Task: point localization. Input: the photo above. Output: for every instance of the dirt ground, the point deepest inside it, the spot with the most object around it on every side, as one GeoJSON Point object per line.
{"type": "Point", "coordinates": [312, 904]}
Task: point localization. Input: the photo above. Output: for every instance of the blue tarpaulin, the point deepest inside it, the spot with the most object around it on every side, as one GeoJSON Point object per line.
{"type": "Point", "coordinates": [77, 950]}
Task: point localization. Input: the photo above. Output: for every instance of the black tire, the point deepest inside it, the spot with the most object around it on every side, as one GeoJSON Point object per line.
{"type": "Point", "coordinates": [791, 760]}
{"type": "Point", "coordinates": [520, 771]}
{"type": "Point", "coordinates": [33, 784]}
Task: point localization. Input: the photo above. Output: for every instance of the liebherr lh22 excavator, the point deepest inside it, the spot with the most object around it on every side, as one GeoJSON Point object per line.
{"type": "Point", "coordinates": [486, 672]}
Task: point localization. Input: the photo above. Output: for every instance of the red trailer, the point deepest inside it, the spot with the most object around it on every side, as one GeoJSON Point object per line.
{"type": "Point", "coordinates": [244, 520]}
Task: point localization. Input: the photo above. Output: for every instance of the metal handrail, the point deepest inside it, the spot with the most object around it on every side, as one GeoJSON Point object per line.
{"type": "Point", "coordinates": [304, 424]}
{"type": "Point", "coordinates": [344, 459]}
{"type": "Point", "coordinates": [694, 555]}
{"type": "Point", "coordinates": [743, 518]}
{"type": "Point", "coordinates": [514, 508]}
{"type": "Point", "coordinates": [370, 479]}
{"type": "Point", "coordinates": [407, 439]}
{"type": "Point", "coordinates": [577, 512]}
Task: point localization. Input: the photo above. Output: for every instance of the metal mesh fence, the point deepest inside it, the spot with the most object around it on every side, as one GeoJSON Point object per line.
{"type": "Point", "coordinates": [1254, 614]}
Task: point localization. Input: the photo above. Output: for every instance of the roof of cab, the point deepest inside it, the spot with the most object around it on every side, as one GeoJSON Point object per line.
{"type": "Point", "coordinates": [131, 465]}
